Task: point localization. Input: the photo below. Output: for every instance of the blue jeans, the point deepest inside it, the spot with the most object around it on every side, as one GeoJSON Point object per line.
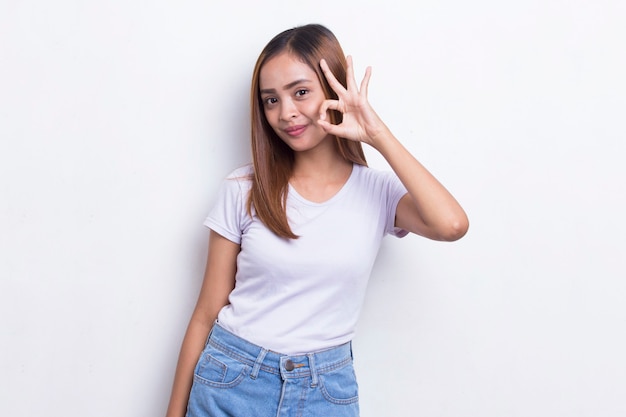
{"type": "Point", "coordinates": [236, 378]}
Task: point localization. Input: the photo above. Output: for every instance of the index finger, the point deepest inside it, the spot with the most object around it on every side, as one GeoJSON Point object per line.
{"type": "Point", "coordinates": [330, 77]}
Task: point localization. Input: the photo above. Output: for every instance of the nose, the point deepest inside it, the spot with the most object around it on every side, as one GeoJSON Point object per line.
{"type": "Point", "coordinates": [288, 110]}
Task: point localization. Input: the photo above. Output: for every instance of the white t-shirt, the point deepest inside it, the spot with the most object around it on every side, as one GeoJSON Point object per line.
{"type": "Point", "coordinates": [302, 295]}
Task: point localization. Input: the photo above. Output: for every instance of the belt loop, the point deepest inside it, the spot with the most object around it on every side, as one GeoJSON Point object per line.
{"type": "Point", "coordinates": [206, 342]}
{"type": "Point", "coordinates": [257, 363]}
{"type": "Point", "coordinates": [313, 369]}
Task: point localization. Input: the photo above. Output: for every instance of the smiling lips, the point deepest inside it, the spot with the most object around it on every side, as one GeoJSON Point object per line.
{"type": "Point", "coordinates": [295, 130]}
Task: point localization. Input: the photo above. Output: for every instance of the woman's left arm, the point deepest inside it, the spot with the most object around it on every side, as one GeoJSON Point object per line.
{"type": "Point", "coordinates": [428, 209]}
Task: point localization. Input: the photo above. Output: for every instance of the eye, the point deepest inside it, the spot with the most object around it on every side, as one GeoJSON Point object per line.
{"type": "Point", "coordinates": [268, 101]}
{"type": "Point", "coordinates": [302, 92]}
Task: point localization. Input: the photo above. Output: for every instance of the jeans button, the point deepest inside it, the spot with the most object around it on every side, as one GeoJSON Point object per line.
{"type": "Point", "coordinates": [289, 365]}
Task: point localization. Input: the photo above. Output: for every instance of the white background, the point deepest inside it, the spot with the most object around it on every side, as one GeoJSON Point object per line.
{"type": "Point", "coordinates": [119, 119]}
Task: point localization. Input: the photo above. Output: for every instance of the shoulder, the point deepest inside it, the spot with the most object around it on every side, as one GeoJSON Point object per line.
{"type": "Point", "coordinates": [236, 185]}
{"type": "Point", "coordinates": [243, 173]}
{"type": "Point", "coordinates": [379, 183]}
{"type": "Point", "coordinates": [373, 177]}
{"type": "Point", "coordinates": [240, 178]}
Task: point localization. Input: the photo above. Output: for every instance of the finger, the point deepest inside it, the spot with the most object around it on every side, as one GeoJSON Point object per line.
{"type": "Point", "coordinates": [366, 81]}
{"type": "Point", "coordinates": [330, 77]}
{"type": "Point", "coordinates": [350, 80]}
{"type": "Point", "coordinates": [328, 105]}
{"type": "Point", "coordinates": [331, 129]}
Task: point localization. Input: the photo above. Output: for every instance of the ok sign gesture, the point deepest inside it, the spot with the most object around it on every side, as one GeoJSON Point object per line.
{"type": "Point", "coordinates": [360, 121]}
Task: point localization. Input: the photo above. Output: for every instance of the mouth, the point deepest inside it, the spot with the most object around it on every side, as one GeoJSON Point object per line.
{"type": "Point", "coordinates": [294, 131]}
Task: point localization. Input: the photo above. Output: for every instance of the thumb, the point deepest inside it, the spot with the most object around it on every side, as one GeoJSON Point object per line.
{"type": "Point", "coordinates": [329, 127]}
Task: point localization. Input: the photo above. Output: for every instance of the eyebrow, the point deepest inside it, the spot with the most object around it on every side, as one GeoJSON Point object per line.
{"type": "Point", "coordinates": [286, 87]}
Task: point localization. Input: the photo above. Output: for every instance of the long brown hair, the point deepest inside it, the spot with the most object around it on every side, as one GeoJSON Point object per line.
{"type": "Point", "coordinates": [272, 158]}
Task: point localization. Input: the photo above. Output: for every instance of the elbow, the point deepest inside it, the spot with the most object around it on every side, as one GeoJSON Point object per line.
{"type": "Point", "coordinates": [455, 230]}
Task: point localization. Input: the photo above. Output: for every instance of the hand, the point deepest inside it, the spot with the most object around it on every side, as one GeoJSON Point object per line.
{"type": "Point", "coordinates": [360, 122]}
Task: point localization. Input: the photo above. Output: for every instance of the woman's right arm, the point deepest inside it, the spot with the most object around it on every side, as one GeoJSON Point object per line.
{"type": "Point", "coordinates": [219, 281]}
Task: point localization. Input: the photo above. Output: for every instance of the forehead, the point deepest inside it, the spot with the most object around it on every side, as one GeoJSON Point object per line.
{"type": "Point", "coordinates": [283, 69]}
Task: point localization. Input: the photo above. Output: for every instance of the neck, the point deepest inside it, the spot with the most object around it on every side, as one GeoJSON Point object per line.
{"type": "Point", "coordinates": [321, 162]}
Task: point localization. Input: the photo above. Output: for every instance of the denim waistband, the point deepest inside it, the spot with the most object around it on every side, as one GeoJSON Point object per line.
{"type": "Point", "coordinates": [288, 366]}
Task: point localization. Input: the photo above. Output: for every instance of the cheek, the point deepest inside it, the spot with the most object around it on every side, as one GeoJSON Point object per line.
{"type": "Point", "coordinates": [269, 117]}
{"type": "Point", "coordinates": [313, 108]}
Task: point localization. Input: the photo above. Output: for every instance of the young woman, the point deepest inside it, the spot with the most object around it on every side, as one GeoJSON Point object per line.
{"type": "Point", "coordinates": [293, 239]}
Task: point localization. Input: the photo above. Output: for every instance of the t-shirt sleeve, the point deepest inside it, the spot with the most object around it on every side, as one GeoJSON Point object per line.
{"type": "Point", "coordinates": [395, 191]}
{"type": "Point", "coordinates": [227, 215]}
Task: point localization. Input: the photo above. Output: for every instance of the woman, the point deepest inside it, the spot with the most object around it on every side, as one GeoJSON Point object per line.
{"type": "Point", "coordinates": [293, 239]}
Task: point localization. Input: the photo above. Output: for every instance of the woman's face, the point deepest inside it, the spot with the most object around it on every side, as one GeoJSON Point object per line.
{"type": "Point", "coordinates": [292, 96]}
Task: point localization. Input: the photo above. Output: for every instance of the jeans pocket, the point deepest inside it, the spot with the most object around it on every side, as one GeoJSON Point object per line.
{"type": "Point", "coordinates": [219, 370]}
{"type": "Point", "coordinates": [339, 386]}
